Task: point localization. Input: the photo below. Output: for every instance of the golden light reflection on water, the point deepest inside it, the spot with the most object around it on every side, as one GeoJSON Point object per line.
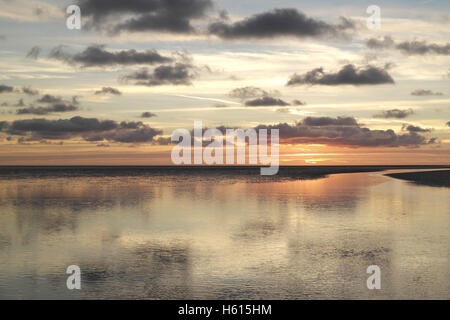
{"type": "Point", "coordinates": [223, 237]}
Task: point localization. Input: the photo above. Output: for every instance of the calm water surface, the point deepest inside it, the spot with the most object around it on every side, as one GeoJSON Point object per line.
{"type": "Point", "coordinates": [168, 237]}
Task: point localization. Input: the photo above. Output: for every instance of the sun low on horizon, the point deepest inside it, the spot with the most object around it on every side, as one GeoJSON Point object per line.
{"type": "Point", "coordinates": [345, 84]}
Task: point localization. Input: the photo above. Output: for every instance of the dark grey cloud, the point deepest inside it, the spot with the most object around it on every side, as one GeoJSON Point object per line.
{"type": "Point", "coordinates": [75, 100]}
{"type": "Point", "coordinates": [139, 135]}
{"type": "Point", "coordinates": [25, 90]}
{"type": "Point", "coordinates": [20, 103]}
{"type": "Point", "coordinates": [328, 121]}
{"type": "Point", "coordinates": [57, 107]}
{"type": "Point", "coordinates": [423, 48]}
{"type": "Point", "coordinates": [298, 103]}
{"type": "Point", "coordinates": [148, 115]}
{"type": "Point", "coordinates": [386, 42]}
{"type": "Point", "coordinates": [448, 124]}
{"type": "Point", "coordinates": [280, 22]}
{"type": "Point", "coordinates": [131, 124]}
{"type": "Point", "coordinates": [177, 74]}
{"type": "Point", "coordinates": [348, 75]}
{"type": "Point", "coordinates": [173, 16]}
{"type": "Point", "coordinates": [251, 92]}
{"type": "Point", "coordinates": [30, 91]}
{"type": "Point", "coordinates": [61, 127]}
{"type": "Point", "coordinates": [257, 97]}
{"type": "Point", "coordinates": [97, 56]}
{"type": "Point", "coordinates": [415, 129]}
{"type": "Point", "coordinates": [6, 89]}
{"type": "Point", "coordinates": [34, 53]}
{"type": "Point", "coordinates": [423, 92]}
{"type": "Point", "coordinates": [54, 104]}
{"type": "Point", "coordinates": [266, 101]}
{"type": "Point", "coordinates": [344, 131]}
{"type": "Point", "coordinates": [163, 141]}
{"type": "Point", "coordinates": [38, 11]}
{"type": "Point", "coordinates": [409, 47]}
{"type": "Point", "coordinates": [394, 113]}
{"type": "Point", "coordinates": [48, 98]}
{"type": "Point", "coordinates": [4, 125]}
{"type": "Point", "coordinates": [90, 129]}
{"type": "Point", "coordinates": [106, 90]}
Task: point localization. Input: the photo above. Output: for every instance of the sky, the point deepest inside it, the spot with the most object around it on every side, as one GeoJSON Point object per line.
{"type": "Point", "coordinates": [112, 92]}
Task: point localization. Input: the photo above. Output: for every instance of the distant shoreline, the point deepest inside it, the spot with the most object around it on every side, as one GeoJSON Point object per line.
{"type": "Point", "coordinates": [290, 172]}
{"type": "Point", "coordinates": [429, 178]}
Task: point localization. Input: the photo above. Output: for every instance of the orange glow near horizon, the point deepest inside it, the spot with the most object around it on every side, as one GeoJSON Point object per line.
{"type": "Point", "coordinates": [74, 153]}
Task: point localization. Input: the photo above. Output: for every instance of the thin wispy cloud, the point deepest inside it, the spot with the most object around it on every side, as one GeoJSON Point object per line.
{"type": "Point", "coordinates": [414, 47]}
{"type": "Point", "coordinates": [395, 114]}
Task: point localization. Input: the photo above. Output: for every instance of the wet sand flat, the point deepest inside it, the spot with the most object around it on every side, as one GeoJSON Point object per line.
{"type": "Point", "coordinates": [439, 178]}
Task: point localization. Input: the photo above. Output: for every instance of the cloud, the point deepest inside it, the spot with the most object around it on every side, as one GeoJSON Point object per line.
{"type": "Point", "coordinates": [327, 121]}
{"type": "Point", "coordinates": [75, 100]}
{"type": "Point", "coordinates": [53, 104]}
{"type": "Point", "coordinates": [106, 90]}
{"type": "Point", "coordinates": [409, 47]}
{"type": "Point", "coordinates": [24, 90]}
{"type": "Point", "coordinates": [343, 131]}
{"type": "Point", "coordinates": [4, 125]}
{"type": "Point", "coordinates": [148, 115]}
{"type": "Point", "coordinates": [348, 75]}
{"type": "Point", "coordinates": [29, 91]}
{"type": "Point", "coordinates": [394, 113]}
{"type": "Point", "coordinates": [285, 110]}
{"type": "Point", "coordinates": [89, 129]}
{"type": "Point", "coordinates": [423, 92]}
{"type": "Point", "coordinates": [139, 135]}
{"type": "Point", "coordinates": [178, 74]}
{"type": "Point", "coordinates": [278, 23]}
{"type": "Point", "coordinates": [38, 11]}
{"type": "Point", "coordinates": [48, 98]}
{"type": "Point", "coordinates": [257, 97]}
{"type": "Point", "coordinates": [251, 92]}
{"type": "Point", "coordinates": [416, 129]}
{"type": "Point", "coordinates": [298, 103]}
{"type": "Point", "coordinates": [448, 124]}
{"type": "Point", "coordinates": [387, 42]}
{"type": "Point", "coordinates": [173, 16]}
{"type": "Point", "coordinates": [60, 128]}
{"type": "Point", "coordinates": [58, 107]}
{"type": "Point", "coordinates": [19, 103]}
{"type": "Point", "coordinates": [266, 101]}
{"type": "Point", "coordinates": [423, 48]}
{"type": "Point", "coordinates": [97, 56]}
{"type": "Point", "coordinates": [34, 53]}
{"type": "Point", "coordinates": [6, 89]}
